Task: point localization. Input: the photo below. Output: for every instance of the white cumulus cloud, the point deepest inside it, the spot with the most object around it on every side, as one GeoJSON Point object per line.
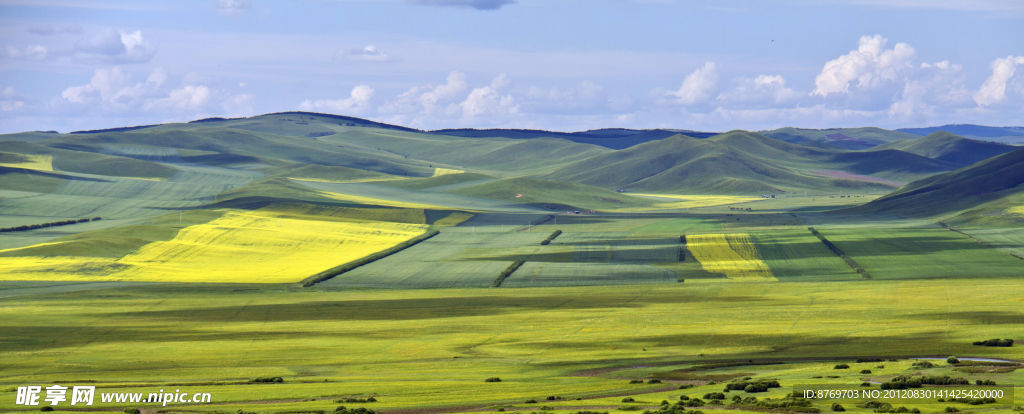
{"type": "Point", "coordinates": [866, 67]}
{"type": "Point", "coordinates": [111, 45]}
{"type": "Point", "coordinates": [761, 91]}
{"type": "Point", "coordinates": [698, 86]}
{"type": "Point", "coordinates": [490, 100]}
{"type": "Point", "coordinates": [357, 102]}
{"type": "Point", "coordinates": [993, 91]}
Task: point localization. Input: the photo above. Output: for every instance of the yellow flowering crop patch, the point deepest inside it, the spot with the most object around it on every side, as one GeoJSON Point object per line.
{"type": "Point", "coordinates": [445, 171]}
{"type": "Point", "coordinates": [31, 162]}
{"type": "Point", "coordinates": [238, 247]}
{"type": "Point", "coordinates": [731, 254]}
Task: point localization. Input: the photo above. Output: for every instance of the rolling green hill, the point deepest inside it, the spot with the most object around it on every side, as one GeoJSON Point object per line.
{"type": "Point", "coordinates": [738, 162]}
{"type": "Point", "coordinates": [552, 195]}
{"type": "Point", "coordinates": [846, 138]}
{"type": "Point", "coordinates": [1008, 134]}
{"type": "Point", "coordinates": [944, 146]}
{"type": "Point", "coordinates": [963, 189]}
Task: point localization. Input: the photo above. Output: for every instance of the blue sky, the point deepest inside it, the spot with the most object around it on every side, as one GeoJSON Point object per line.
{"type": "Point", "coordinates": [552, 64]}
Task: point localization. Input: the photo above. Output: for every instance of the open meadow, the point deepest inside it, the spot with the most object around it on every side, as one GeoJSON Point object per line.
{"type": "Point", "coordinates": [326, 264]}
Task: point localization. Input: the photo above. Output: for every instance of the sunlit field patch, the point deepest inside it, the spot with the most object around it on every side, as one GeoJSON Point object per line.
{"type": "Point", "coordinates": [27, 161]}
{"type": "Point", "coordinates": [240, 246]}
{"type": "Point", "coordinates": [445, 171]}
{"type": "Point", "coordinates": [377, 201]}
{"type": "Point", "coordinates": [688, 201]}
{"type": "Point", "coordinates": [731, 254]}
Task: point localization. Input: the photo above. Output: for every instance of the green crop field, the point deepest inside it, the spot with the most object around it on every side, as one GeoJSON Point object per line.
{"type": "Point", "coordinates": [298, 262]}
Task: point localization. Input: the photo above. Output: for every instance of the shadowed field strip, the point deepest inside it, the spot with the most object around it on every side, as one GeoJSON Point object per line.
{"type": "Point", "coordinates": [731, 254]}
{"type": "Point", "coordinates": [240, 246]}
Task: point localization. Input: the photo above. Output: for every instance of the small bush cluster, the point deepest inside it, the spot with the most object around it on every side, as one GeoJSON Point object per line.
{"type": "Point", "coordinates": [995, 342]}
{"type": "Point", "coordinates": [881, 407]}
{"type": "Point", "coordinates": [493, 379]}
{"type": "Point", "coordinates": [752, 386]}
{"type": "Point", "coordinates": [343, 410]}
{"type": "Point", "coordinates": [791, 403]}
{"type": "Point", "coordinates": [923, 364]}
{"type": "Point", "coordinates": [268, 379]}
{"type": "Point", "coordinates": [356, 400]}
{"type": "Point", "coordinates": [903, 382]}
{"type": "Point", "coordinates": [973, 401]}
{"type": "Point", "coordinates": [841, 366]}
{"type": "Point", "coordinates": [677, 408]}
{"type": "Point", "coordinates": [714, 396]}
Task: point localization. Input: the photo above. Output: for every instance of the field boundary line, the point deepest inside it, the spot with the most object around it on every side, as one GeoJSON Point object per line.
{"type": "Point", "coordinates": [950, 228]}
{"type": "Point", "coordinates": [839, 252]}
{"type": "Point", "coordinates": [548, 240]}
{"type": "Point", "coordinates": [337, 270]}
{"type": "Point", "coordinates": [546, 219]}
{"type": "Point", "coordinates": [507, 272]}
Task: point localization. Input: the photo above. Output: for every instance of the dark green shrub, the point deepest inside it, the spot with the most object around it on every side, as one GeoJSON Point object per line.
{"type": "Point", "coordinates": [628, 399]}
{"type": "Point", "coordinates": [995, 342]}
{"type": "Point", "coordinates": [837, 408]}
{"type": "Point", "coordinates": [654, 381]}
{"type": "Point", "coordinates": [952, 360]}
{"type": "Point", "coordinates": [841, 366]}
{"type": "Point", "coordinates": [714, 396]}
{"type": "Point", "coordinates": [493, 379]}
{"type": "Point", "coordinates": [865, 371]}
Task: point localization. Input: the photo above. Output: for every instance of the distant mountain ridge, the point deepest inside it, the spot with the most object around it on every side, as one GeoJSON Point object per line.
{"type": "Point", "coordinates": [614, 138]}
{"type": "Point", "coordinates": [1008, 134]}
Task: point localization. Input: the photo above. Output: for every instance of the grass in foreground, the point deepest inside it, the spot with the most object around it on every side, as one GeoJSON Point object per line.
{"type": "Point", "coordinates": [433, 349]}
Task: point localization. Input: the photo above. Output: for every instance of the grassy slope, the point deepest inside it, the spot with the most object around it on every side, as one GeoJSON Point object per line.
{"type": "Point", "coordinates": [92, 163]}
{"type": "Point", "coordinates": [954, 191]}
{"type": "Point", "coordinates": [557, 194]}
{"type": "Point", "coordinates": [852, 138]}
{"type": "Point", "coordinates": [947, 147]}
{"type": "Point", "coordinates": [734, 162]}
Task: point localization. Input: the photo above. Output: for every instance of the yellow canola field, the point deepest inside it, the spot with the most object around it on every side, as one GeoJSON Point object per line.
{"type": "Point", "coordinates": [33, 162]}
{"type": "Point", "coordinates": [445, 171]}
{"type": "Point", "coordinates": [688, 201]}
{"type": "Point", "coordinates": [239, 247]}
{"type": "Point", "coordinates": [731, 254]}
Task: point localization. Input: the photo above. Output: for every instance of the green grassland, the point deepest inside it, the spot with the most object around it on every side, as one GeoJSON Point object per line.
{"type": "Point", "coordinates": [431, 349]}
{"type": "Point", "coordinates": [919, 271]}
